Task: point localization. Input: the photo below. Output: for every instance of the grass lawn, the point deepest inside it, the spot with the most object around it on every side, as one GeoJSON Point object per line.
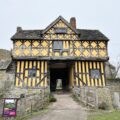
{"type": "Point", "coordinates": [105, 116]}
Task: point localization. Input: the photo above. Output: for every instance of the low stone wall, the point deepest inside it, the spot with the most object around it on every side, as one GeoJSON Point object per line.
{"type": "Point", "coordinates": [94, 96]}
{"type": "Point", "coordinates": [115, 92]}
{"type": "Point", "coordinates": [114, 86]}
{"type": "Point", "coordinates": [29, 100]}
{"type": "Point", "coordinates": [113, 82]}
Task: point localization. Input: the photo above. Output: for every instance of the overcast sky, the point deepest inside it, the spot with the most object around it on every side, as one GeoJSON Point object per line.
{"type": "Point", "coordinates": [38, 14]}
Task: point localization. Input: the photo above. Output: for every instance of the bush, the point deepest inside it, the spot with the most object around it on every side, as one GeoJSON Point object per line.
{"type": "Point", "coordinates": [103, 106]}
{"type": "Point", "coordinates": [1, 95]}
{"type": "Point", "coordinates": [52, 98]}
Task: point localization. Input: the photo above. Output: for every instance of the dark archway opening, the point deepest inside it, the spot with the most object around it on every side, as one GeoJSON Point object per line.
{"type": "Point", "coordinates": [59, 72]}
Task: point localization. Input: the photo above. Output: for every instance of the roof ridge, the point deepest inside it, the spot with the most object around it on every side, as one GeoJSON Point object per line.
{"type": "Point", "coordinates": [89, 29]}
{"type": "Point", "coordinates": [76, 29]}
{"type": "Point", "coordinates": [43, 29]}
{"type": "Point", "coordinates": [34, 30]}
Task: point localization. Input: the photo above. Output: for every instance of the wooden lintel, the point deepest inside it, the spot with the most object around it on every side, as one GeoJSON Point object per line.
{"type": "Point", "coordinates": [62, 58]}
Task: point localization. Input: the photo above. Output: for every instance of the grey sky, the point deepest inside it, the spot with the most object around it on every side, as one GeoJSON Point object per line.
{"type": "Point", "coordinates": [37, 14]}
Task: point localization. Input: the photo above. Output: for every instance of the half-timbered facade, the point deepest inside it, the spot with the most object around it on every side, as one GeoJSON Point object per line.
{"type": "Point", "coordinates": [61, 51]}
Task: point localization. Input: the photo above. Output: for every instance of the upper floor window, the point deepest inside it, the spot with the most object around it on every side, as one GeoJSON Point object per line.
{"type": "Point", "coordinates": [60, 30]}
{"type": "Point", "coordinates": [57, 45]}
{"type": "Point", "coordinates": [95, 74]}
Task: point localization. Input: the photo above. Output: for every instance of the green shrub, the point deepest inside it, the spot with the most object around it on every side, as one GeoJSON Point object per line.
{"type": "Point", "coordinates": [103, 106]}
{"type": "Point", "coordinates": [1, 95]}
{"type": "Point", "coordinates": [52, 98]}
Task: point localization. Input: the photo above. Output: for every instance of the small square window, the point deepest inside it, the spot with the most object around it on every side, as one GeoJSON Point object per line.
{"type": "Point", "coordinates": [32, 72]}
{"type": "Point", "coordinates": [60, 30]}
{"type": "Point", "coordinates": [95, 74]}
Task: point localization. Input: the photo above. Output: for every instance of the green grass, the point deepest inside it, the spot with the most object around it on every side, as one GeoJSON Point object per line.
{"type": "Point", "coordinates": [105, 116]}
{"type": "Point", "coordinates": [27, 117]}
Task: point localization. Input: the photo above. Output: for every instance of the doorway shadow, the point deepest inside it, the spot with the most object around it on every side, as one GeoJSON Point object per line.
{"type": "Point", "coordinates": [55, 75]}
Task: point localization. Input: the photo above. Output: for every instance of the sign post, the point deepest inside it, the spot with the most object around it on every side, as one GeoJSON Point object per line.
{"type": "Point", "coordinates": [10, 107]}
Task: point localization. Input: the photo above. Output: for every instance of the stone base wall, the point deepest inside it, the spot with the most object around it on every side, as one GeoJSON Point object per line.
{"type": "Point", "coordinates": [113, 82]}
{"type": "Point", "coordinates": [94, 96]}
{"type": "Point", "coordinates": [115, 92]}
{"type": "Point", "coordinates": [29, 100]}
{"type": "Point", "coordinates": [2, 75]}
{"type": "Point", "coordinates": [6, 84]}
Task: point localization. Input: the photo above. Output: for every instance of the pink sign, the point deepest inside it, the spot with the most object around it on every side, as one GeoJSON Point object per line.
{"type": "Point", "coordinates": [10, 107]}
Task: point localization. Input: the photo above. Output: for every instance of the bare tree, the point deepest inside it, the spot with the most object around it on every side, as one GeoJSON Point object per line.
{"type": "Point", "coordinates": [117, 67]}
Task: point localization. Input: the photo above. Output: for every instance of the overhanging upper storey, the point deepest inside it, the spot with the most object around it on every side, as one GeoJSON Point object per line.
{"type": "Point", "coordinates": [60, 40]}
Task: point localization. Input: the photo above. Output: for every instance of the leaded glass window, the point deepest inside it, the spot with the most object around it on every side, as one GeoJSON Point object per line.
{"type": "Point", "coordinates": [32, 72]}
{"type": "Point", "coordinates": [95, 74]}
{"type": "Point", "coordinates": [60, 30]}
{"type": "Point", "coordinates": [57, 45]}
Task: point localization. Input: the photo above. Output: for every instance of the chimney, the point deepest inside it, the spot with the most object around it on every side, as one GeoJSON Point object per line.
{"type": "Point", "coordinates": [19, 29]}
{"type": "Point", "coordinates": [73, 22]}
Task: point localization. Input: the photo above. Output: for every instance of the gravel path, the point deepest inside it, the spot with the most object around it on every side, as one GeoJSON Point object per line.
{"type": "Point", "coordinates": [64, 109]}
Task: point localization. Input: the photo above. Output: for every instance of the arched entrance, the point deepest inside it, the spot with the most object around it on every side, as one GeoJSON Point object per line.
{"type": "Point", "coordinates": [60, 71]}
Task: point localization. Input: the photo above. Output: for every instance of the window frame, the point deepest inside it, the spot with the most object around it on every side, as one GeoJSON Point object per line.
{"type": "Point", "coordinates": [60, 30]}
{"type": "Point", "coordinates": [95, 76]}
{"type": "Point", "coordinates": [34, 74]}
{"type": "Point", "coordinates": [57, 49]}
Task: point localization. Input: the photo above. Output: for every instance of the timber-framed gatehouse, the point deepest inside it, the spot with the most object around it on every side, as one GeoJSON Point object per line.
{"type": "Point", "coordinates": [60, 51]}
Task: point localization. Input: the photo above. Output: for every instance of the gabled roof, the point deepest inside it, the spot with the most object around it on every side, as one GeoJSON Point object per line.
{"type": "Point", "coordinates": [84, 34]}
{"type": "Point", "coordinates": [54, 22]}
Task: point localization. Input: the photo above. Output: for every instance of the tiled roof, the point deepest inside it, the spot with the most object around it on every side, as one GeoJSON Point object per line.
{"type": "Point", "coordinates": [27, 34]}
{"type": "Point", "coordinates": [37, 34]}
{"type": "Point", "coordinates": [91, 35]}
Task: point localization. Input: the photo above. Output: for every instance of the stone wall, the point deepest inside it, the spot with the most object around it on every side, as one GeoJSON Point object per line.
{"type": "Point", "coordinates": [2, 74]}
{"type": "Point", "coordinates": [113, 82]}
{"type": "Point", "coordinates": [115, 92]}
{"type": "Point", "coordinates": [3, 77]}
{"type": "Point", "coordinates": [94, 96]}
{"type": "Point", "coordinates": [31, 100]}
{"type": "Point", "coordinates": [5, 54]}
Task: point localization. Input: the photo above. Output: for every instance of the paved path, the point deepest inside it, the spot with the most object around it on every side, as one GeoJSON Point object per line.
{"type": "Point", "coordinates": [64, 109]}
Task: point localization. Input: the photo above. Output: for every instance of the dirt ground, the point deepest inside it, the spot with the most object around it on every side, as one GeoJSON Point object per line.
{"type": "Point", "coordinates": [64, 109]}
